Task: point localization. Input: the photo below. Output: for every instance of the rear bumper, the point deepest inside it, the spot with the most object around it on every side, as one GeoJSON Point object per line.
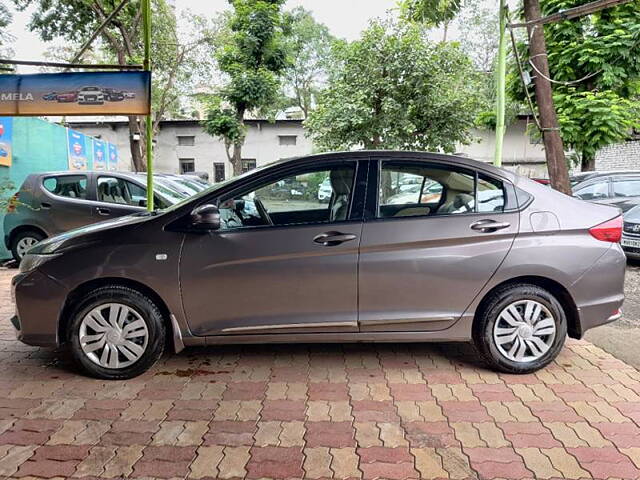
{"type": "Point", "coordinates": [599, 292]}
{"type": "Point", "coordinates": [39, 300]}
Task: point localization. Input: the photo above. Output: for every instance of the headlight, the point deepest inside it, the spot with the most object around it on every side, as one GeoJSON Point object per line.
{"type": "Point", "coordinates": [32, 261]}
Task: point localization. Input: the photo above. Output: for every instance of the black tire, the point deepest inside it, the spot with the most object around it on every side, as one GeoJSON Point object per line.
{"type": "Point", "coordinates": [143, 306]}
{"type": "Point", "coordinates": [18, 237]}
{"type": "Point", "coordinates": [486, 318]}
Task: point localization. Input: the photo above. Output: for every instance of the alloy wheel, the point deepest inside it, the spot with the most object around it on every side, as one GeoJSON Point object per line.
{"type": "Point", "coordinates": [524, 331]}
{"type": "Point", "coordinates": [113, 335]}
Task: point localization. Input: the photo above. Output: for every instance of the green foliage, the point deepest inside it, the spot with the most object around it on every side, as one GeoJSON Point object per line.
{"type": "Point", "coordinates": [395, 89]}
{"type": "Point", "coordinates": [431, 12]}
{"type": "Point", "coordinates": [252, 59]}
{"type": "Point", "coordinates": [5, 37]}
{"type": "Point", "coordinates": [7, 189]}
{"type": "Point", "coordinates": [309, 47]}
{"type": "Point", "coordinates": [600, 50]}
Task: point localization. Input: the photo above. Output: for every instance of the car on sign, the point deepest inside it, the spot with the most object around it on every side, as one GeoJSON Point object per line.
{"type": "Point", "coordinates": [113, 95]}
{"type": "Point", "coordinates": [67, 97]}
{"type": "Point", "coordinates": [495, 259]}
{"type": "Point", "coordinates": [91, 96]}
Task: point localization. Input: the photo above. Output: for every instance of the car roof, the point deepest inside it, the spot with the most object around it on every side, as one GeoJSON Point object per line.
{"type": "Point", "coordinates": [582, 176]}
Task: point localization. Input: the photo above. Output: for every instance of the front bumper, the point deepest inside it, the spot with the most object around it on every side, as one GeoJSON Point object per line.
{"type": "Point", "coordinates": [39, 300]}
{"type": "Point", "coordinates": [629, 250]}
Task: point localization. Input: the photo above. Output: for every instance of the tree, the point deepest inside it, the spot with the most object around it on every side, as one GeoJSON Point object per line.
{"type": "Point", "coordinates": [5, 37]}
{"type": "Point", "coordinates": [309, 46]}
{"type": "Point", "coordinates": [252, 59]}
{"type": "Point", "coordinates": [433, 13]}
{"type": "Point", "coordinates": [173, 59]}
{"type": "Point", "coordinates": [393, 88]}
{"type": "Point", "coordinates": [595, 66]}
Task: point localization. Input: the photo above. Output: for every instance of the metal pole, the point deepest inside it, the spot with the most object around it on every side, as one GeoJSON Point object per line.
{"type": "Point", "coordinates": [501, 73]}
{"type": "Point", "coordinates": [146, 15]}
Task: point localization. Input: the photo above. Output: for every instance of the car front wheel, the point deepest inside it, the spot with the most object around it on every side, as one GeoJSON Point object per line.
{"type": "Point", "coordinates": [116, 333]}
{"type": "Point", "coordinates": [521, 329]}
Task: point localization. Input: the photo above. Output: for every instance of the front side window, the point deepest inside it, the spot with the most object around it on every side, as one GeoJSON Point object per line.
{"type": "Point", "coordinates": [594, 191]}
{"type": "Point", "coordinates": [70, 186]}
{"type": "Point", "coordinates": [410, 190]}
{"type": "Point", "coordinates": [295, 199]}
{"type": "Point", "coordinates": [626, 188]}
{"type": "Point", "coordinates": [121, 192]}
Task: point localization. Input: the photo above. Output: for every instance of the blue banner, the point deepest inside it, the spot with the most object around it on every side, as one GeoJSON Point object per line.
{"type": "Point", "coordinates": [113, 157]}
{"type": "Point", "coordinates": [6, 141]}
{"type": "Point", "coordinates": [99, 155]}
{"type": "Point", "coordinates": [84, 93]}
{"type": "Point", "coordinates": [77, 149]}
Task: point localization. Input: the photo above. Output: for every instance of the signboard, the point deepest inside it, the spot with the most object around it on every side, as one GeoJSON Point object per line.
{"type": "Point", "coordinates": [77, 149]}
{"type": "Point", "coordinates": [112, 164]}
{"type": "Point", "coordinates": [99, 155]}
{"type": "Point", "coordinates": [6, 137]}
{"type": "Point", "coordinates": [86, 93]}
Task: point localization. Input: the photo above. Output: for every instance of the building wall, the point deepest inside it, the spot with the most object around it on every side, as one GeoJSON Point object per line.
{"type": "Point", "coordinates": [519, 152]}
{"type": "Point", "coordinates": [262, 144]}
{"type": "Point", "coordinates": [622, 156]}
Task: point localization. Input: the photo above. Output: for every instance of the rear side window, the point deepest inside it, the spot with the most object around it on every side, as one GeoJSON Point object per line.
{"type": "Point", "coordinates": [594, 191]}
{"type": "Point", "coordinates": [411, 190]}
{"type": "Point", "coordinates": [120, 191]}
{"type": "Point", "coordinates": [70, 186]}
{"type": "Point", "coordinates": [626, 187]}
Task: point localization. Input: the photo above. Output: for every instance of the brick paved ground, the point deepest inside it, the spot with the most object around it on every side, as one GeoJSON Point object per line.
{"type": "Point", "coordinates": [352, 411]}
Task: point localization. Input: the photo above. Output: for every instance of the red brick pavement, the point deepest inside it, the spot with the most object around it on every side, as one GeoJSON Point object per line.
{"type": "Point", "coordinates": [321, 411]}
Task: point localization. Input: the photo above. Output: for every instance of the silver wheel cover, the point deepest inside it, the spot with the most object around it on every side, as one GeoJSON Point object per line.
{"type": "Point", "coordinates": [24, 244]}
{"type": "Point", "coordinates": [113, 335]}
{"type": "Point", "coordinates": [524, 331]}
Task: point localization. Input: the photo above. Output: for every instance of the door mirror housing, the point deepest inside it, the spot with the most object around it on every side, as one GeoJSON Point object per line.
{"type": "Point", "coordinates": [205, 218]}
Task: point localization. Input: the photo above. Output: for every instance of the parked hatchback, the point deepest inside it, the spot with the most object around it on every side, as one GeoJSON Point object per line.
{"type": "Point", "coordinates": [495, 259]}
{"type": "Point", "coordinates": [51, 203]}
{"type": "Point", "coordinates": [619, 189]}
{"type": "Point", "coordinates": [631, 233]}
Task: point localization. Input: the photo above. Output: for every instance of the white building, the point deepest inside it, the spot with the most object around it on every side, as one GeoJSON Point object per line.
{"type": "Point", "coordinates": [183, 146]}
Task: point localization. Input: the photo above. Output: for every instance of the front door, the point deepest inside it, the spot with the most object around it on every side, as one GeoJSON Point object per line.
{"type": "Point", "coordinates": [436, 236]}
{"type": "Point", "coordinates": [116, 197]}
{"type": "Point", "coordinates": [283, 261]}
{"type": "Point", "coordinates": [63, 206]}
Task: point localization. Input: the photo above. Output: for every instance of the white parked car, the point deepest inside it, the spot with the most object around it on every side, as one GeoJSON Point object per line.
{"type": "Point", "coordinates": [90, 96]}
{"type": "Point", "coordinates": [325, 191]}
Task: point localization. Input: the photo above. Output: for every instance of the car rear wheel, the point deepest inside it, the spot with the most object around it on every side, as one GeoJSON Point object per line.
{"type": "Point", "coordinates": [23, 241]}
{"type": "Point", "coordinates": [116, 333]}
{"type": "Point", "coordinates": [521, 329]}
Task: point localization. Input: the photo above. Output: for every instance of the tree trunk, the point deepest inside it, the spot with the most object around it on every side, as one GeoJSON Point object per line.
{"type": "Point", "coordinates": [554, 149]}
{"type": "Point", "coordinates": [588, 162]}
{"type": "Point", "coordinates": [236, 158]}
{"type": "Point", "coordinates": [138, 160]}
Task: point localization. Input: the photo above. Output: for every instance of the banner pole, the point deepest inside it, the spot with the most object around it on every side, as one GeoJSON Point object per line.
{"type": "Point", "coordinates": [146, 15]}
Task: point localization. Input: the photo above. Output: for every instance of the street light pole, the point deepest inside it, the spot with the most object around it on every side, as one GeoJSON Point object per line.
{"type": "Point", "coordinates": [501, 85]}
{"type": "Point", "coordinates": [146, 18]}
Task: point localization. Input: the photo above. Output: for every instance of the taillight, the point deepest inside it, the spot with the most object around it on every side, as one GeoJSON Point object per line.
{"type": "Point", "coordinates": [609, 231]}
{"type": "Point", "coordinates": [13, 203]}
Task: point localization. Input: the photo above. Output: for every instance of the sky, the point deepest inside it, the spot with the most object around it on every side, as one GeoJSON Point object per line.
{"type": "Point", "coordinates": [345, 19]}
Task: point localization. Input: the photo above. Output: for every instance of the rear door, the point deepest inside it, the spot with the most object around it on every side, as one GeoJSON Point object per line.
{"type": "Point", "coordinates": [425, 255]}
{"type": "Point", "coordinates": [62, 203]}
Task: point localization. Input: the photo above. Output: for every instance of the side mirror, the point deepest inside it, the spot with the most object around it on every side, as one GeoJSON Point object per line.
{"type": "Point", "coordinates": [142, 203]}
{"type": "Point", "coordinates": [206, 218]}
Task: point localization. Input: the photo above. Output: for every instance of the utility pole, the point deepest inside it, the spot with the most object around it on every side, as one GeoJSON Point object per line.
{"type": "Point", "coordinates": [501, 84]}
{"type": "Point", "coordinates": [146, 18]}
{"type": "Point", "coordinates": [554, 148]}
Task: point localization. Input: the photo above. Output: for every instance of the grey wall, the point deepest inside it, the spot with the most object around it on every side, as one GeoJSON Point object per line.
{"type": "Point", "coordinates": [623, 156]}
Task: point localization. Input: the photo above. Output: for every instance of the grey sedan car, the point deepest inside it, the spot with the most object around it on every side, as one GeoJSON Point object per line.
{"type": "Point", "coordinates": [489, 257]}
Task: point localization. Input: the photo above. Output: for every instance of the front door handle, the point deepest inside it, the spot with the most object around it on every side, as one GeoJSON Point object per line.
{"type": "Point", "coordinates": [331, 239]}
{"type": "Point", "coordinates": [488, 226]}
{"type": "Point", "coordinates": [45, 205]}
{"type": "Point", "coordinates": [103, 211]}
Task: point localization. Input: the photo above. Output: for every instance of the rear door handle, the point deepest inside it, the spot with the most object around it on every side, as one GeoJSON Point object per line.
{"type": "Point", "coordinates": [45, 205]}
{"type": "Point", "coordinates": [103, 211]}
{"type": "Point", "coordinates": [331, 239]}
{"type": "Point", "coordinates": [488, 226]}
